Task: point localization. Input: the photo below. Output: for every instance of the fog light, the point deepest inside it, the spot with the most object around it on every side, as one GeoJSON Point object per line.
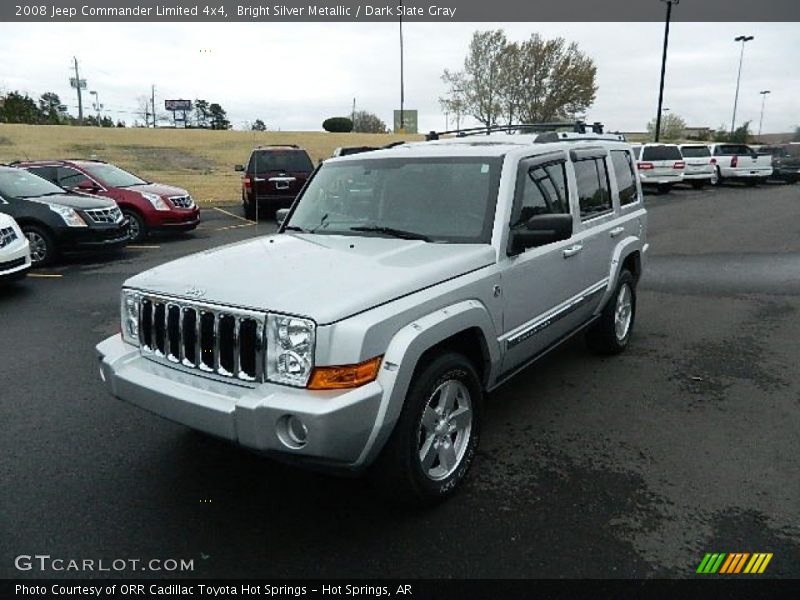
{"type": "Point", "coordinates": [292, 432]}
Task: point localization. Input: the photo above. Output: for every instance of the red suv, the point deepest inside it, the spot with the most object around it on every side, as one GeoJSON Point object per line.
{"type": "Point", "coordinates": [273, 177]}
{"type": "Point", "coordinates": [149, 207]}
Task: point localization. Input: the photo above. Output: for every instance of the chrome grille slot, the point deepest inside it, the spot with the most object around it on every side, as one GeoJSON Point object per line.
{"type": "Point", "coordinates": [106, 216]}
{"type": "Point", "coordinates": [220, 341]}
{"type": "Point", "coordinates": [7, 235]}
{"type": "Point", "coordinates": [182, 201]}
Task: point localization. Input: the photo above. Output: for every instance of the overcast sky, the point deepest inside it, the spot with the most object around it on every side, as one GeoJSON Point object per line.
{"type": "Point", "coordinates": [293, 75]}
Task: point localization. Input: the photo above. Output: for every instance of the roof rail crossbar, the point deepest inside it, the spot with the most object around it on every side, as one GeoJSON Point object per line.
{"type": "Point", "coordinates": [261, 146]}
{"type": "Point", "coordinates": [575, 126]}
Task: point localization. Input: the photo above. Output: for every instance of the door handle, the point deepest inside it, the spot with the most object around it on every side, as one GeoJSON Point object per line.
{"type": "Point", "coordinates": [258, 179]}
{"type": "Point", "coordinates": [572, 250]}
{"type": "Point", "coordinates": [616, 232]}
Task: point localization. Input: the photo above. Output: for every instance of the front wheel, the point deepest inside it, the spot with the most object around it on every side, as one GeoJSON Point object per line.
{"type": "Point", "coordinates": [43, 248]}
{"type": "Point", "coordinates": [436, 436]}
{"type": "Point", "coordinates": [611, 333]}
{"type": "Point", "coordinates": [137, 230]}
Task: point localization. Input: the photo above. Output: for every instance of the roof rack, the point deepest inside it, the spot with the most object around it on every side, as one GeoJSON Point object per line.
{"type": "Point", "coordinates": [574, 126]}
{"type": "Point", "coordinates": [263, 146]}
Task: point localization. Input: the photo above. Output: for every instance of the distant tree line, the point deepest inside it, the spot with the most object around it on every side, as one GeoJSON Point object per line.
{"type": "Point", "coordinates": [16, 107]}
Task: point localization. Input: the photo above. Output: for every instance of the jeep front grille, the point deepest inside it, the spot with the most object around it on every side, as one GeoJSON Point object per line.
{"type": "Point", "coordinates": [182, 201]}
{"type": "Point", "coordinates": [218, 340]}
{"type": "Point", "coordinates": [7, 236]}
{"type": "Point", "coordinates": [104, 216]}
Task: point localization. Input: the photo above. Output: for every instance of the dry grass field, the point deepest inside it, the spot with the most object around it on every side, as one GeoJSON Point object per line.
{"type": "Point", "coordinates": [199, 160]}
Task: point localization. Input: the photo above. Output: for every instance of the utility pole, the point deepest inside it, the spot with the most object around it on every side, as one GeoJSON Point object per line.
{"type": "Point", "coordinates": [353, 115]}
{"type": "Point", "coordinates": [78, 87]}
{"type": "Point", "coordinates": [153, 103]}
{"type": "Point", "coordinates": [402, 82]}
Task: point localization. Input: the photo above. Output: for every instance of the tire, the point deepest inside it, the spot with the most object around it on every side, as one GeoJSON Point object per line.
{"type": "Point", "coordinates": [611, 333]}
{"type": "Point", "coordinates": [698, 185]}
{"type": "Point", "coordinates": [664, 188]}
{"type": "Point", "coordinates": [43, 248]}
{"type": "Point", "coordinates": [137, 229]}
{"type": "Point", "coordinates": [448, 385]}
{"type": "Point", "coordinates": [249, 209]}
{"type": "Point", "coordinates": [716, 178]}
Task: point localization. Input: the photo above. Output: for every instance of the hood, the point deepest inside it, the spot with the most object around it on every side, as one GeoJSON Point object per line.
{"type": "Point", "coordinates": [159, 188]}
{"type": "Point", "coordinates": [79, 201]}
{"type": "Point", "coordinates": [324, 277]}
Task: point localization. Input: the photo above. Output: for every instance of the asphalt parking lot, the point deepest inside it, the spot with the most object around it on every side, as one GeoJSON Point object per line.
{"type": "Point", "coordinates": [632, 466]}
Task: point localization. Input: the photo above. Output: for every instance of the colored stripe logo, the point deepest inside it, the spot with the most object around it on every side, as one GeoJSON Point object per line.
{"type": "Point", "coordinates": [734, 563]}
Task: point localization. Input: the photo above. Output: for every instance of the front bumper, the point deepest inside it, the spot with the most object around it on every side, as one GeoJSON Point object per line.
{"type": "Point", "coordinates": [339, 424]}
{"type": "Point", "coordinates": [15, 260]}
{"type": "Point", "coordinates": [175, 219]}
{"type": "Point", "coordinates": [92, 238]}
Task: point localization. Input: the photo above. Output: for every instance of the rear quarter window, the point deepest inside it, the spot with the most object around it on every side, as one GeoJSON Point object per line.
{"type": "Point", "coordinates": [625, 175]}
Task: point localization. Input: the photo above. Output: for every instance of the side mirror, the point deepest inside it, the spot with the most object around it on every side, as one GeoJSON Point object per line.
{"type": "Point", "coordinates": [541, 230]}
{"type": "Point", "coordinates": [280, 215]}
{"type": "Point", "coordinates": [239, 168]}
{"type": "Point", "coordinates": [87, 185]}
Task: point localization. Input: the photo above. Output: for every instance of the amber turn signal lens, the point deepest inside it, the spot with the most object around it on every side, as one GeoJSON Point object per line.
{"type": "Point", "coordinates": [345, 376]}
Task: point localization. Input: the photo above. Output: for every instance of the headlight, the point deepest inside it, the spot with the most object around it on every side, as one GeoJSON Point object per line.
{"type": "Point", "coordinates": [129, 308]}
{"type": "Point", "coordinates": [156, 200]}
{"type": "Point", "coordinates": [290, 349]}
{"type": "Point", "coordinates": [70, 216]}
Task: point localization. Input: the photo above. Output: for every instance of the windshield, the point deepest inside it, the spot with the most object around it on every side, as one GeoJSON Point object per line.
{"type": "Point", "coordinates": [112, 176]}
{"type": "Point", "coordinates": [16, 183]}
{"type": "Point", "coordinates": [695, 151]}
{"type": "Point", "coordinates": [280, 160]}
{"type": "Point", "coordinates": [661, 153]}
{"type": "Point", "coordinates": [440, 200]}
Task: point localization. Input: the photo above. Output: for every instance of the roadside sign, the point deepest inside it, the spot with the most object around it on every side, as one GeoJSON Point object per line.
{"type": "Point", "coordinates": [409, 124]}
{"type": "Point", "coordinates": [177, 104]}
{"type": "Point", "coordinates": [73, 83]}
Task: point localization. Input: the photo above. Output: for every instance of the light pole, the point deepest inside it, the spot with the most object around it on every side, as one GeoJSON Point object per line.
{"type": "Point", "coordinates": [744, 39]}
{"type": "Point", "coordinates": [663, 65]}
{"type": "Point", "coordinates": [763, 102]}
{"type": "Point", "coordinates": [402, 82]}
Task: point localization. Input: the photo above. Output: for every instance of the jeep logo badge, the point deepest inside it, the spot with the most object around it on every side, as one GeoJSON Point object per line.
{"type": "Point", "coordinates": [193, 292]}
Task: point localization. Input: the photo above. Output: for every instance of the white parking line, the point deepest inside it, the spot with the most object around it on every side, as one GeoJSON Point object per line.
{"type": "Point", "coordinates": [143, 247]}
{"type": "Point", "coordinates": [235, 226]}
{"type": "Point", "coordinates": [45, 275]}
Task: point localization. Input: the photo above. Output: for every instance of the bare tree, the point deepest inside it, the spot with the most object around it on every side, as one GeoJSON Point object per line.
{"type": "Point", "coordinates": [367, 122]}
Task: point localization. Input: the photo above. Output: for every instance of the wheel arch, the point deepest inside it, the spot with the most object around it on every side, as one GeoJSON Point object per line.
{"type": "Point", "coordinates": [465, 327]}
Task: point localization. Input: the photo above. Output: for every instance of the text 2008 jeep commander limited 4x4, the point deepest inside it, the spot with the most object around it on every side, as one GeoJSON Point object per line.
{"type": "Point", "coordinates": [402, 286]}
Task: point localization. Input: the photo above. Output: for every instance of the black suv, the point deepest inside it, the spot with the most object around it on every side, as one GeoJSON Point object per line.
{"type": "Point", "coordinates": [55, 220]}
{"type": "Point", "coordinates": [785, 161]}
{"type": "Point", "coordinates": [272, 179]}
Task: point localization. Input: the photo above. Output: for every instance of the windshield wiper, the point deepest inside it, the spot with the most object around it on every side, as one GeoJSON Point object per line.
{"type": "Point", "coordinates": [296, 228]}
{"type": "Point", "coordinates": [398, 233]}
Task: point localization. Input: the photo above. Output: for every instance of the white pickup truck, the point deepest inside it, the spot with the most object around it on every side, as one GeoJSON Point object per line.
{"type": "Point", "coordinates": [740, 161]}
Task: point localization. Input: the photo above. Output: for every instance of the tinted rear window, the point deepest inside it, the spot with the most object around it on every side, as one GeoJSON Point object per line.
{"type": "Point", "coordinates": [730, 149]}
{"type": "Point", "coordinates": [280, 160]}
{"type": "Point", "coordinates": [661, 153]}
{"type": "Point", "coordinates": [695, 151]}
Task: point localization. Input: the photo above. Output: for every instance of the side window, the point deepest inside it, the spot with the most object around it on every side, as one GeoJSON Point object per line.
{"type": "Point", "coordinates": [70, 178]}
{"type": "Point", "coordinates": [541, 189]}
{"type": "Point", "coordinates": [626, 177]}
{"type": "Point", "coordinates": [593, 189]}
{"type": "Point", "coordinates": [48, 173]}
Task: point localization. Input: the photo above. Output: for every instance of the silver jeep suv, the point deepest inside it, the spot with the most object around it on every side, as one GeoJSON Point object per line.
{"type": "Point", "coordinates": [403, 285]}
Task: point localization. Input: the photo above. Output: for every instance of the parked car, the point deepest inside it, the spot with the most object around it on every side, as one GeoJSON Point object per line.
{"type": "Point", "coordinates": [659, 165]}
{"type": "Point", "coordinates": [55, 220]}
{"type": "Point", "coordinates": [700, 166]}
{"type": "Point", "coordinates": [739, 162]}
{"type": "Point", "coordinates": [15, 251]}
{"type": "Point", "coordinates": [785, 161]}
{"type": "Point", "coordinates": [402, 286]}
{"type": "Point", "coordinates": [273, 177]}
{"type": "Point", "coordinates": [149, 207]}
